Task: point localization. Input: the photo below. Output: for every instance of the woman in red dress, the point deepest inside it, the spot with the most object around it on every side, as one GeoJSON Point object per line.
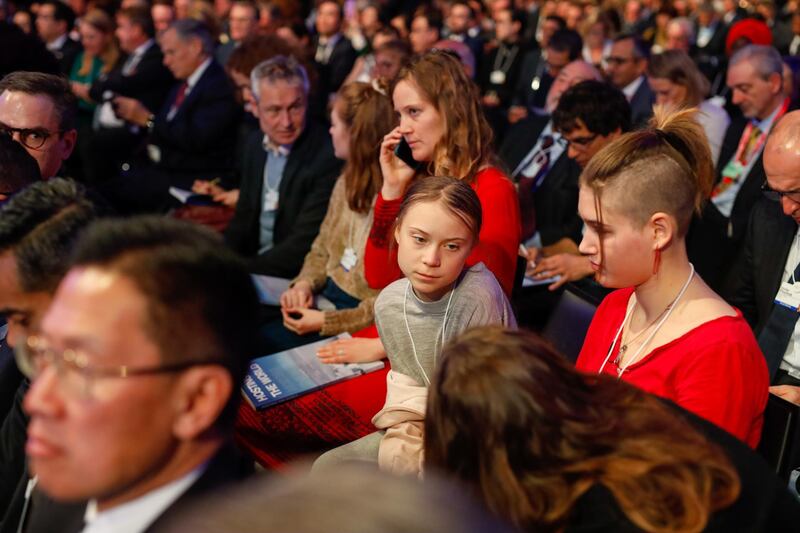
{"type": "Point", "coordinates": [666, 332]}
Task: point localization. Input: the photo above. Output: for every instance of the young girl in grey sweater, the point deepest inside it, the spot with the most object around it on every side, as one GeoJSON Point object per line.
{"type": "Point", "coordinates": [438, 299]}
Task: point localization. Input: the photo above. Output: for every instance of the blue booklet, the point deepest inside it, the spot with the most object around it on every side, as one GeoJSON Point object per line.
{"type": "Point", "coordinates": [279, 377]}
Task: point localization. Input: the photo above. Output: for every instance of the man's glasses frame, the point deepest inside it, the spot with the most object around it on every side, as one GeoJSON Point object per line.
{"type": "Point", "coordinates": [776, 196]}
{"type": "Point", "coordinates": [34, 355]}
{"type": "Point", "coordinates": [33, 138]}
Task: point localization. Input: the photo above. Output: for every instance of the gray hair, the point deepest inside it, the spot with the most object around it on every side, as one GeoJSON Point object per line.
{"type": "Point", "coordinates": [686, 27]}
{"type": "Point", "coordinates": [187, 29]}
{"type": "Point", "coordinates": [764, 59]}
{"type": "Point", "coordinates": [279, 68]}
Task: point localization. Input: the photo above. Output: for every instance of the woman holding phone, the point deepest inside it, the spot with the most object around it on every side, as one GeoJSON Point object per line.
{"type": "Point", "coordinates": [443, 130]}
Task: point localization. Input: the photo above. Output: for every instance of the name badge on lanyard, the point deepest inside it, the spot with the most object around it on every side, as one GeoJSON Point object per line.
{"type": "Point", "coordinates": [271, 201]}
{"type": "Point", "coordinates": [349, 259]}
{"type": "Point", "coordinates": [788, 295]}
{"type": "Point", "coordinates": [497, 77]}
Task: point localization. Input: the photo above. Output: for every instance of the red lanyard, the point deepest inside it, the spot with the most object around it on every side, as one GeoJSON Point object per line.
{"type": "Point", "coordinates": [748, 132]}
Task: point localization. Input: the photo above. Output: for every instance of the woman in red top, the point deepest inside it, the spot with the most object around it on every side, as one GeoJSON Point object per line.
{"type": "Point", "coordinates": [668, 332]}
{"type": "Point", "coordinates": [442, 123]}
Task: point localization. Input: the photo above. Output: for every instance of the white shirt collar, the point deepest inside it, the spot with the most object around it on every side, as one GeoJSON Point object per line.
{"type": "Point", "coordinates": [766, 124]}
{"type": "Point", "coordinates": [142, 48]}
{"type": "Point", "coordinates": [632, 87]}
{"type": "Point", "coordinates": [57, 43]}
{"type": "Point", "coordinates": [136, 515]}
{"type": "Point", "coordinates": [191, 81]}
{"type": "Point", "coordinates": [276, 149]}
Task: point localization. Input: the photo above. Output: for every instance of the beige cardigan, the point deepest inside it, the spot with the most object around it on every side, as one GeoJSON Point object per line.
{"type": "Point", "coordinates": [341, 228]}
{"type": "Point", "coordinates": [403, 418]}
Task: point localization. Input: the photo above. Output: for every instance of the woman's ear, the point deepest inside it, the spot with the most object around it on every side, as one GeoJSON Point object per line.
{"type": "Point", "coordinates": [397, 232]}
{"type": "Point", "coordinates": [663, 227]}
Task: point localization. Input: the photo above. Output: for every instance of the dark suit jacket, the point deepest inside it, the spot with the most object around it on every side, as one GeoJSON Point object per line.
{"type": "Point", "coordinates": [67, 54]}
{"type": "Point", "coordinates": [642, 105]}
{"type": "Point", "coordinates": [714, 240]}
{"type": "Point", "coordinates": [333, 73]}
{"type": "Point", "coordinates": [304, 192]}
{"type": "Point", "coordinates": [199, 140]}
{"type": "Point", "coordinates": [225, 469]}
{"type": "Point", "coordinates": [149, 83]}
{"type": "Point", "coordinates": [524, 94]}
{"type": "Point", "coordinates": [556, 200]}
{"type": "Point", "coordinates": [505, 90]}
{"type": "Point", "coordinates": [757, 272]}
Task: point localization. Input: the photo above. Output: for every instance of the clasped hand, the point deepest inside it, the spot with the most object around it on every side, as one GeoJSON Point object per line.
{"type": "Point", "coordinates": [298, 317]}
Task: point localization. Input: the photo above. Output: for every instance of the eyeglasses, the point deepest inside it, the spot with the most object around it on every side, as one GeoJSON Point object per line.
{"type": "Point", "coordinates": [33, 138]}
{"type": "Point", "coordinates": [34, 355]}
{"type": "Point", "coordinates": [777, 195]}
{"type": "Point", "coordinates": [580, 142]}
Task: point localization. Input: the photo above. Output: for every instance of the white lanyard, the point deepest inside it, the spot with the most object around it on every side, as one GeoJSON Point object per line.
{"type": "Point", "coordinates": [635, 356]}
{"type": "Point", "coordinates": [411, 337]}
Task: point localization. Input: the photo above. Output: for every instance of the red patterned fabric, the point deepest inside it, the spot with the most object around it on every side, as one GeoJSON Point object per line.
{"type": "Point", "coordinates": [313, 423]}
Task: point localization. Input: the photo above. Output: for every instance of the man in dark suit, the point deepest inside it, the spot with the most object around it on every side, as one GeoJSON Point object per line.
{"type": "Point", "coordinates": [38, 110]}
{"type": "Point", "coordinates": [767, 272]}
{"type": "Point", "coordinates": [534, 151]}
{"type": "Point", "coordinates": [755, 80]}
{"type": "Point", "coordinates": [192, 135]}
{"type": "Point", "coordinates": [334, 54]}
{"type": "Point", "coordinates": [163, 321]}
{"type": "Point", "coordinates": [54, 21]}
{"type": "Point", "coordinates": [38, 229]}
{"type": "Point", "coordinates": [538, 72]}
{"type": "Point", "coordinates": [287, 175]}
{"type": "Point", "coordinates": [710, 31]}
{"type": "Point", "coordinates": [141, 76]}
{"type": "Point", "coordinates": [243, 22]}
{"type": "Point", "coordinates": [627, 64]}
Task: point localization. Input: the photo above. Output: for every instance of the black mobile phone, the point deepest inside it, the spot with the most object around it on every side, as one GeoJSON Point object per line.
{"type": "Point", "coordinates": [403, 152]}
{"type": "Point", "coordinates": [295, 315]}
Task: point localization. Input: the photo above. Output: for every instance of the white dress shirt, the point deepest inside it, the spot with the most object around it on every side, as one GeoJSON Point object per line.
{"type": "Point", "coordinates": [137, 515]}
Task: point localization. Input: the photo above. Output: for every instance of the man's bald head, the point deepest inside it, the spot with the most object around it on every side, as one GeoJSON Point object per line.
{"type": "Point", "coordinates": [782, 162]}
{"type": "Point", "coordinates": [572, 74]}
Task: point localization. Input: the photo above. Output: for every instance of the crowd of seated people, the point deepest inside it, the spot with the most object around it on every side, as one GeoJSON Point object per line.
{"type": "Point", "coordinates": [442, 173]}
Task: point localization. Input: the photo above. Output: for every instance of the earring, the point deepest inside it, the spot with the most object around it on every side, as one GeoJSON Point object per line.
{"type": "Point", "coordinates": [656, 261]}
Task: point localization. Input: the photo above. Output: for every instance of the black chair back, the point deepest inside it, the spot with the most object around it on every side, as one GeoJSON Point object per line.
{"type": "Point", "coordinates": [566, 329]}
{"type": "Point", "coordinates": [780, 437]}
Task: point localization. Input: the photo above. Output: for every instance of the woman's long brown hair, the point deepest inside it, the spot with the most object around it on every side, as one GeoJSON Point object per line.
{"type": "Point", "coordinates": [466, 145]}
{"type": "Point", "coordinates": [530, 435]}
{"type": "Point", "coordinates": [368, 114]}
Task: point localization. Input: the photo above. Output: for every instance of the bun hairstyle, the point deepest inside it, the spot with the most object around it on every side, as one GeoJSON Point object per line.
{"type": "Point", "coordinates": [466, 145]}
{"type": "Point", "coordinates": [665, 168]}
{"type": "Point", "coordinates": [456, 195]}
{"type": "Point", "coordinates": [368, 114]}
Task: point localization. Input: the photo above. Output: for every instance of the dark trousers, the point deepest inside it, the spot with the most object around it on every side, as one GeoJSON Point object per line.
{"type": "Point", "coordinates": [275, 336]}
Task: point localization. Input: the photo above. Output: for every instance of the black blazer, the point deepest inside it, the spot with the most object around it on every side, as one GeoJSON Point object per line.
{"type": "Point", "coordinates": [225, 469]}
{"type": "Point", "coordinates": [67, 54]}
{"type": "Point", "coordinates": [199, 140]}
{"type": "Point", "coordinates": [642, 105]}
{"type": "Point", "coordinates": [150, 82]}
{"type": "Point", "coordinates": [333, 73]}
{"type": "Point", "coordinates": [308, 178]}
{"type": "Point", "coordinates": [714, 240]}
{"type": "Point", "coordinates": [757, 272]}
{"type": "Point", "coordinates": [556, 200]}
{"type": "Point", "coordinates": [524, 94]}
{"type": "Point", "coordinates": [505, 90]}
